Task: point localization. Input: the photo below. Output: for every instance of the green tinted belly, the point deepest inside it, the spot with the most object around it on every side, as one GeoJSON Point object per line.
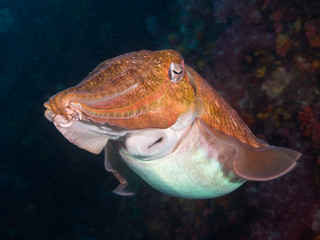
{"type": "Point", "coordinates": [188, 171]}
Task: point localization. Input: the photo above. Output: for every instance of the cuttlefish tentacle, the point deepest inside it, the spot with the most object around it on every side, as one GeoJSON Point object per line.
{"type": "Point", "coordinates": [129, 182]}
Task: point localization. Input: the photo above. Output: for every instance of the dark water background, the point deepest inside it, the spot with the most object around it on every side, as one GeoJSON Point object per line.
{"type": "Point", "coordinates": [263, 56]}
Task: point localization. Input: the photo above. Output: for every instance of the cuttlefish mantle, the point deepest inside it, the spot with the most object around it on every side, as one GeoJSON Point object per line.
{"type": "Point", "coordinates": [158, 119]}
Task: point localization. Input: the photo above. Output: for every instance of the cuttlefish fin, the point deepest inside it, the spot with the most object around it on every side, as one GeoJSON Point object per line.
{"type": "Point", "coordinates": [128, 180]}
{"type": "Point", "coordinates": [86, 136]}
{"type": "Point", "coordinates": [255, 164]}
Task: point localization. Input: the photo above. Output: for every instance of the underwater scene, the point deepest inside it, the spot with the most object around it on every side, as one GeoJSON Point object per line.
{"type": "Point", "coordinates": [181, 119]}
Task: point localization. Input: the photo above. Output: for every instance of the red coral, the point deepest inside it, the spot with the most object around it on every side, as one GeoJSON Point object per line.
{"type": "Point", "coordinates": [276, 16]}
{"type": "Point", "coordinates": [284, 43]}
{"type": "Point", "coordinates": [307, 63]}
{"type": "Point", "coordinates": [313, 34]}
{"type": "Point", "coordinates": [310, 124]}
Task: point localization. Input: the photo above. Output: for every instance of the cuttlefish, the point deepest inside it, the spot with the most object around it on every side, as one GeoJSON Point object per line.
{"type": "Point", "coordinates": [157, 118]}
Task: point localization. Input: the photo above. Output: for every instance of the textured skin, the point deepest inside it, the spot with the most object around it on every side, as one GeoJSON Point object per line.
{"type": "Point", "coordinates": [217, 112]}
{"type": "Point", "coordinates": [155, 102]}
{"type": "Point", "coordinates": [139, 107]}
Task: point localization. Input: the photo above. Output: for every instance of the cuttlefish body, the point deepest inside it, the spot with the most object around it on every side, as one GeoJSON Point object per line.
{"type": "Point", "coordinates": [157, 117]}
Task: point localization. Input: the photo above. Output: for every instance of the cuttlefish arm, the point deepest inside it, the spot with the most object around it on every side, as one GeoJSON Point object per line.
{"type": "Point", "coordinates": [129, 181]}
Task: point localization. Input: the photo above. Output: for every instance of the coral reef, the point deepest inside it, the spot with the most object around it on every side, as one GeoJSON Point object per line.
{"type": "Point", "coordinates": [312, 33]}
{"type": "Point", "coordinates": [247, 33]}
{"type": "Point", "coordinates": [237, 40]}
{"type": "Point", "coordinates": [310, 122]}
{"type": "Point", "coordinates": [278, 81]}
{"type": "Point", "coordinates": [245, 10]}
{"type": "Point", "coordinates": [285, 59]}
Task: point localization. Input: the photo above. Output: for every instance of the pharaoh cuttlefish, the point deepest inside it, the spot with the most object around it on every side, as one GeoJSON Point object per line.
{"type": "Point", "coordinates": [157, 117]}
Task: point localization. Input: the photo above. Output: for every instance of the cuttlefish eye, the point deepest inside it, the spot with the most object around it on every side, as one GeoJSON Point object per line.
{"type": "Point", "coordinates": [176, 71]}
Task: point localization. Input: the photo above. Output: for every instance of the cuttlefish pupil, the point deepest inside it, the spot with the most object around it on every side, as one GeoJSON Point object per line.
{"type": "Point", "coordinates": [158, 119]}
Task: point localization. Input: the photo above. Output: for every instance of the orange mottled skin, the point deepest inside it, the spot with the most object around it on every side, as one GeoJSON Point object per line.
{"type": "Point", "coordinates": [218, 113]}
{"type": "Point", "coordinates": [152, 101]}
{"type": "Point", "coordinates": [138, 108]}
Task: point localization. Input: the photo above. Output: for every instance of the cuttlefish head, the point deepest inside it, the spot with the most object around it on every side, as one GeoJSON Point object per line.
{"type": "Point", "coordinates": [138, 90]}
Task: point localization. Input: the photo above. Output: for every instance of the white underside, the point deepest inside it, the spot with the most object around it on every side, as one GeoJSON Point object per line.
{"type": "Point", "coordinates": [178, 164]}
{"type": "Point", "coordinates": [187, 171]}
